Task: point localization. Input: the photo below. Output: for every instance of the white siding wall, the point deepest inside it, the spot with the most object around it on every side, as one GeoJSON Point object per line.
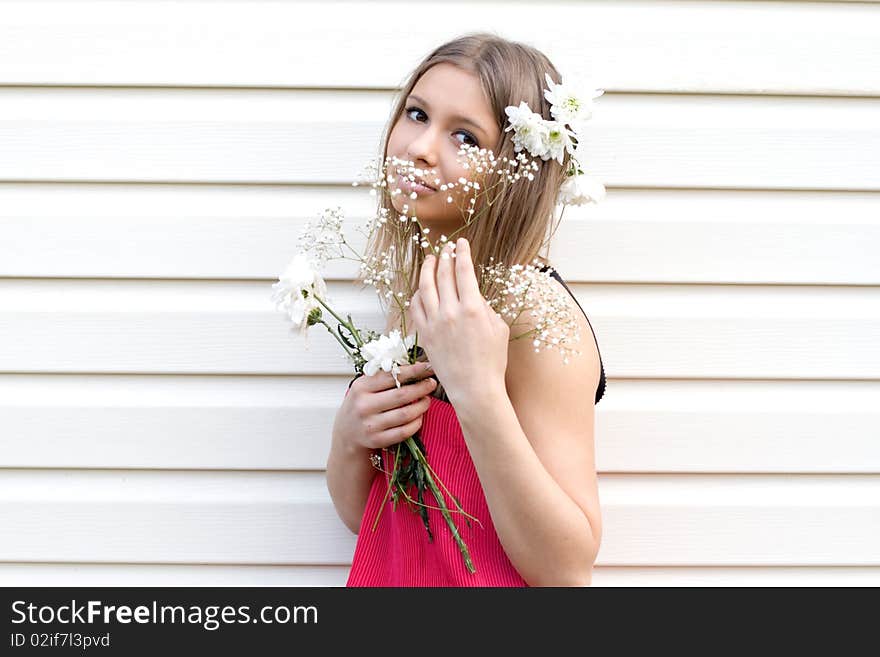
{"type": "Point", "coordinates": [158, 423]}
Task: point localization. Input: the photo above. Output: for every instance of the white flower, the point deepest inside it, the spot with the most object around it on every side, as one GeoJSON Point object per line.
{"type": "Point", "coordinates": [528, 298]}
{"type": "Point", "coordinates": [569, 107]}
{"type": "Point", "coordinates": [517, 116]}
{"type": "Point", "coordinates": [531, 131]}
{"type": "Point", "coordinates": [322, 238]}
{"type": "Point", "coordinates": [580, 189]}
{"type": "Point", "coordinates": [551, 139]}
{"type": "Point", "coordinates": [558, 141]}
{"type": "Point", "coordinates": [387, 353]}
{"type": "Point", "coordinates": [295, 291]}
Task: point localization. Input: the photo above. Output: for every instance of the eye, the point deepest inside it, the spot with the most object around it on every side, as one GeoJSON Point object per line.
{"type": "Point", "coordinates": [473, 140]}
{"type": "Point", "coordinates": [468, 136]}
{"type": "Point", "coordinates": [410, 110]}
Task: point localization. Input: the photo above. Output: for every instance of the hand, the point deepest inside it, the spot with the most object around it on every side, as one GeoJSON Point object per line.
{"type": "Point", "coordinates": [376, 413]}
{"type": "Point", "coordinates": [465, 339]}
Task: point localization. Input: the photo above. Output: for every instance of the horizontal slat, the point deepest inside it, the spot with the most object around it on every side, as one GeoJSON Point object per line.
{"type": "Point", "coordinates": [286, 518]}
{"type": "Point", "coordinates": [702, 46]}
{"type": "Point", "coordinates": [263, 136]}
{"type": "Point", "coordinates": [196, 231]}
{"type": "Point", "coordinates": [139, 575]}
{"type": "Point", "coordinates": [270, 423]}
{"type": "Point", "coordinates": [227, 327]}
{"type": "Point", "coordinates": [743, 576]}
{"type": "Point", "coordinates": [125, 575]}
{"type": "Point", "coordinates": [175, 517]}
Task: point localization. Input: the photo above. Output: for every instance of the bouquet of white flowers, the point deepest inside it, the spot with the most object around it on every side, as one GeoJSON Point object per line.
{"type": "Point", "coordinates": [301, 292]}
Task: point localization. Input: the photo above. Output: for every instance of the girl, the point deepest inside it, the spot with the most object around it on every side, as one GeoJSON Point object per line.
{"type": "Point", "coordinates": [510, 431]}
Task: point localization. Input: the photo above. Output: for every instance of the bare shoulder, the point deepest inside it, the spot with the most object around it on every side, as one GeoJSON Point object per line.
{"type": "Point", "coordinates": [555, 405]}
{"type": "Point", "coordinates": [526, 368]}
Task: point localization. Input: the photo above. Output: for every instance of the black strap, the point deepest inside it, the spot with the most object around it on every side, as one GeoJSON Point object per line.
{"type": "Point", "coordinates": [600, 391]}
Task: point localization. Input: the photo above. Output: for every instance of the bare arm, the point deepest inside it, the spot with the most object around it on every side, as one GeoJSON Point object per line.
{"type": "Point", "coordinates": [548, 537]}
{"type": "Point", "coordinates": [349, 477]}
{"type": "Point", "coordinates": [375, 414]}
{"type": "Point", "coordinates": [537, 438]}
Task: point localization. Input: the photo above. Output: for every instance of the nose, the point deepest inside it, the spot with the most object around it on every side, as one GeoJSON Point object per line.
{"type": "Point", "coordinates": [422, 150]}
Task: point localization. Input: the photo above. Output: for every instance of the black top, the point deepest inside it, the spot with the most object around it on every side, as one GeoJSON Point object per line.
{"type": "Point", "coordinates": [600, 390]}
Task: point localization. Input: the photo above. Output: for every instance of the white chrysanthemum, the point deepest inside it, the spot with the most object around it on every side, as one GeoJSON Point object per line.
{"type": "Point", "coordinates": [387, 353]}
{"type": "Point", "coordinates": [295, 291]}
{"type": "Point", "coordinates": [531, 131]}
{"type": "Point", "coordinates": [580, 190]}
{"type": "Point", "coordinates": [518, 116]}
{"type": "Point", "coordinates": [558, 141]}
{"type": "Point", "coordinates": [566, 105]}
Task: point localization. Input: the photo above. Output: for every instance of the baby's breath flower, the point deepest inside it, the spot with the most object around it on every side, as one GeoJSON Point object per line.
{"type": "Point", "coordinates": [322, 238]}
{"type": "Point", "coordinates": [528, 289]}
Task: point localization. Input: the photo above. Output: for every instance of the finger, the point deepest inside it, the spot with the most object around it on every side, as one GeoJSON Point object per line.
{"type": "Point", "coordinates": [446, 289]}
{"type": "Point", "coordinates": [396, 417]}
{"type": "Point", "coordinates": [395, 398]}
{"type": "Point", "coordinates": [391, 437]}
{"type": "Point", "coordinates": [417, 313]}
{"type": "Point", "coordinates": [465, 278]}
{"type": "Point", "coordinates": [428, 288]}
{"type": "Point", "coordinates": [384, 381]}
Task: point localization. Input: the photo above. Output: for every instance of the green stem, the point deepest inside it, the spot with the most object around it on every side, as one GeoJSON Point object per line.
{"type": "Point", "coordinates": [346, 324]}
{"type": "Point", "coordinates": [417, 453]}
{"type": "Point", "coordinates": [333, 333]}
{"type": "Point", "coordinates": [388, 490]}
{"type": "Point", "coordinates": [435, 491]}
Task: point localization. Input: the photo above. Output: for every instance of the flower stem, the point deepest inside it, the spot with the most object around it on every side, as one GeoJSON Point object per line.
{"type": "Point", "coordinates": [346, 324]}
{"type": "Point", "coordinates": [417, 454]}
{"type": "Point", "coordinates": [333, 333]}
{"type": "Point", "coordinates": [388, 490]}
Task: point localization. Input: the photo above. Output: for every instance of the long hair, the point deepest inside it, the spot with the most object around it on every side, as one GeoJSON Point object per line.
{"type": "Point", "coordinates": [517, 226]}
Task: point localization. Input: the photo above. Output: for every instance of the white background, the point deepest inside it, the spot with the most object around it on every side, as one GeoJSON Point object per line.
{"type": "Point", "coordinates": [160, 425]}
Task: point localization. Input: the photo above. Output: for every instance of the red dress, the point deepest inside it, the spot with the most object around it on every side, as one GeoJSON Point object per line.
{"type": "Point", "coordinates": [398, 552]}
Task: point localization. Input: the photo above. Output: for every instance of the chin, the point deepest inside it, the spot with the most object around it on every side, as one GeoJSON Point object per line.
{"type": "Point", "coordinates": [424, 214]}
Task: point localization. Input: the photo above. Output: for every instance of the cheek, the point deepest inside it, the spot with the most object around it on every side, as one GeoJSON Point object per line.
{"type": "Point", "coordinates": [396, 143]}
{"type": "Point", "coordinates": [457, 171]}
{"type": "Point", "coordinates": [399, 138]}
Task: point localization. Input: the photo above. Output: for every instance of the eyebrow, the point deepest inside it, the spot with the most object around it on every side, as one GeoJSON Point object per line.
{"type": "Point", "coordinates": [458, 117]}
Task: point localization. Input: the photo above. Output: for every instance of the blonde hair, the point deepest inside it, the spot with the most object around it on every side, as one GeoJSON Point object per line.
{"type": "Point", "coordinates": [517, 226]}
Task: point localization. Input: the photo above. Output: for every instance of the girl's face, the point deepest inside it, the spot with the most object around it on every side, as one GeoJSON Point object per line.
{"type": "Point", "coordinates": [446, 109]}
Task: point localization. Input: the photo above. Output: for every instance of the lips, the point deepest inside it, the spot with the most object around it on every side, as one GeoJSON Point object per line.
{"type": "Point", "coordinates": [418, 186]}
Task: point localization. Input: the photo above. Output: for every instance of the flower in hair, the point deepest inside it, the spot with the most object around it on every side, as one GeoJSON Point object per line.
{"type": "Point", "coordinates": [566, 106]}
{"type": "Point", "coordinates": [559, 140]}
{"type": "Point", "coordinates": [552, 139]}
{"type": "Point", "coordinates": [580, 189]}
{"type": "Point", "coordinates": [531, 131]}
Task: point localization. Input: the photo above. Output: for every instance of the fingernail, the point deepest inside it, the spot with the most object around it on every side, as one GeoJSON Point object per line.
{"type": "Point", "coordinates": [427, 366]}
